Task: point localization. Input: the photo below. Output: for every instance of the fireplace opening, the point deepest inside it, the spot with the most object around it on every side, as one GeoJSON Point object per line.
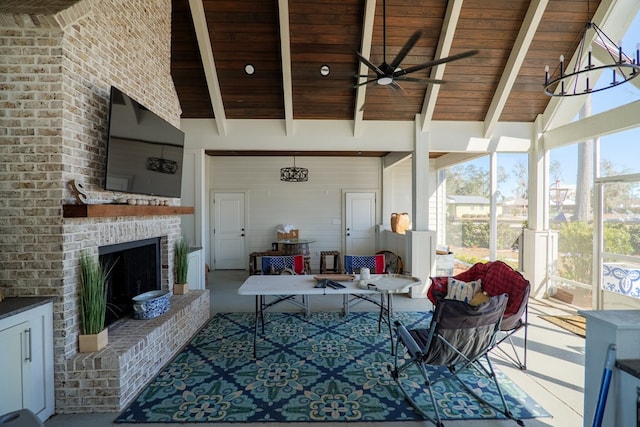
{"type": "Point", "coordinates": [136, 269]}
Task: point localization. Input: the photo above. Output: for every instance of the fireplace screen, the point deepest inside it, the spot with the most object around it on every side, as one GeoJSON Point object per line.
{"type": "Point", "coordinates": [136, 269]}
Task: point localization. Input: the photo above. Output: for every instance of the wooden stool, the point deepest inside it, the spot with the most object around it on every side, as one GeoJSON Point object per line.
{"type": "Point", "coordinates": [336, 261]}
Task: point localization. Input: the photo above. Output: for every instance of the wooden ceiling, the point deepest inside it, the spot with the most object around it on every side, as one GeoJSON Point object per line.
{"type": "Point", "coordinates": [288, 41]}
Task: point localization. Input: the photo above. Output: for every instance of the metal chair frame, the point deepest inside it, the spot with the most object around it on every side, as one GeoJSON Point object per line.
{"type": "Point", "coordinates": [440, 351]}
{"type": "Point", "coordinates": [353, 300]}
{"type": "Point", "coordinates": [267, 268]}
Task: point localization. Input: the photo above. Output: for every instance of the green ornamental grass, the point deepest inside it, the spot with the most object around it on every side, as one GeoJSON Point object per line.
{"type": "Point", "coordinates": [181, 261]}
{"type": "Point", "coordinates": [93, 294]}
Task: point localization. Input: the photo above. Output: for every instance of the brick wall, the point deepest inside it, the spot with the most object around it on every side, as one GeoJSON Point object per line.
{"type": "Point", "coordinates": [56, 70]}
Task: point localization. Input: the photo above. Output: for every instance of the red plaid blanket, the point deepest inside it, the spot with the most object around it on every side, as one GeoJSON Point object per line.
{"type": "Point", "coordinates": [497, 277]}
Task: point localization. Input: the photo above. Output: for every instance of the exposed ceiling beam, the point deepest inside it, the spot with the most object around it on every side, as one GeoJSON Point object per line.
{"type": "Point", "coordinates": [365, 50]}
{"type": "Point", "coordinates": [611, 121]}
{"type": "Point", "coordinates": [453, 159]}
{"type": "Point", "coordinates": [444, 47]}
{"type": "Point", "coordinates": [512, 68]}
{"type": "Point", "coordinates": [392, 159]}
{"type": "Point", "coordinates": [208, 63]}
{"type": "Point", "coordinates": [285, 47]}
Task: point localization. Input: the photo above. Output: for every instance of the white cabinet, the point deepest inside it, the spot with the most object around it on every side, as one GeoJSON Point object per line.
{"type": "Point", "coordinates": [26, 358]}
{"type": "Point", "coordinates": [626, 411]}
{"type": "Point", "coordinates": [195, 274]}
{"type": "Point", "coordinates": [605, 327]}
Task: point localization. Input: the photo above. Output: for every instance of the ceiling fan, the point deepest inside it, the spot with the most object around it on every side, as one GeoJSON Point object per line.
{"type": "Point", "coordinates": [388, 74]}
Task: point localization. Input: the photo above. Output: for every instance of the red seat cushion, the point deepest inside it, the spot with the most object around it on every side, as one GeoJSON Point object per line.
{"type": "Point", "coordinates": [497, 278]}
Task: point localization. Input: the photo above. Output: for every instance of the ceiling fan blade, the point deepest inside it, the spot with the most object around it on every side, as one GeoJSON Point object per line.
{"type": "Point", "coordinates": [405, 50]}
{"type": "Point", "coordinates": [366, 62]}
{"type": "Point", "coordinates": [414, 79]}
{"type": "Point", "coordinates": [434, 63]}
{"type": "Point", "coordinates": [364, 83]}
{"type": "Point", "coordinates": [396, 87]}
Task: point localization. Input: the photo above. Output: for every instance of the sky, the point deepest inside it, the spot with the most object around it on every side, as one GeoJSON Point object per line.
{"type": "Point", "coordinates": [615, 148]}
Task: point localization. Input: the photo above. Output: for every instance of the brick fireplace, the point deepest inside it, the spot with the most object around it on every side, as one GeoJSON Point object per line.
{"type": "Point", "coordinates": [59, 61]}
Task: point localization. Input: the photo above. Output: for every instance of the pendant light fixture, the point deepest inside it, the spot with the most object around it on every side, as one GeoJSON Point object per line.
{"type": "Point", "coordinates": [294, 174]}
{"type": "Point", "coordinates": [584, 77]}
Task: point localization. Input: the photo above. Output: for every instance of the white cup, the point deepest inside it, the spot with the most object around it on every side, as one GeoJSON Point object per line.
{"type": "Point", "coordinates": [365, 273]}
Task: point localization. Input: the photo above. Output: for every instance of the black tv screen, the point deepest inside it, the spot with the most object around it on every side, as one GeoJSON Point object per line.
{"type": "Point", "coordinates": [144, 151]}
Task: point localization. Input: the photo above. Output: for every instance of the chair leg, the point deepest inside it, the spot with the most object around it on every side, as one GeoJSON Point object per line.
{"type": "Point", "coordinates": [397, 374]}
{"type": "Point", "coordinates": [514, 357]}
{"type": "Point", "coordinates": [491, 374]}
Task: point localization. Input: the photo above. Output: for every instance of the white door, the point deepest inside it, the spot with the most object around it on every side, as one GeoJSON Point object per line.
{"type": "Point", "coordinates": [360, 223]}
{"type": "Point", "coordinates": [229, 231]}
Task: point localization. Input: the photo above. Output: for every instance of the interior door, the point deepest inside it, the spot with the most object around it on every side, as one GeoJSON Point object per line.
{"type": "Point", "coordinates": [360, 223]}
{"type": "Point", "coordinates": [229, 231]}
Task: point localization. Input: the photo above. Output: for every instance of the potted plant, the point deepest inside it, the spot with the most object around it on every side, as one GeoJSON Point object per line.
{"type": "Point", "coordinates": [181, 261]}
{"type": "Point", "coordinates": [93, 304]}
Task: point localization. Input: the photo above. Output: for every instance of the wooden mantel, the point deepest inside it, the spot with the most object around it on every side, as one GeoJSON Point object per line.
{"type": "Point", "coordinates": [113, 210]}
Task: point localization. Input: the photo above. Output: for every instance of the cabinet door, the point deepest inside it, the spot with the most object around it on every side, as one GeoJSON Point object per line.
{"type": "Point", "coordinates": [194, 274]}
{"type": "Point", "coordinates": [14, 342]}
{"type": "Point", "coordinates": [36, 385]}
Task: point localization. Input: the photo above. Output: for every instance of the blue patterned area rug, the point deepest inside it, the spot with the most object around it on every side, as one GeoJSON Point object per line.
{"type": "Point", "coordinates": [325, 368]}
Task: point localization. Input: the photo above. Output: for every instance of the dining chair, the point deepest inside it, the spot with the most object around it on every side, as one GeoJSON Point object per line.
{"type": "Point", "coordinates": [283, 264]}
{"type": "Point", "coordinates": [353, 263]}
{"type": "Point", "coordinates": [278, 264]}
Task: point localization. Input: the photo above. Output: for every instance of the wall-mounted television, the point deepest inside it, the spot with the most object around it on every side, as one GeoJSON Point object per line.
{"type": "Point", "coordinates": [144, 151]}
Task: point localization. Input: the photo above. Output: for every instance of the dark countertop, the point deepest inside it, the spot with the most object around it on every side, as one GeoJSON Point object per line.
{"type": "Point", "coordinates": [14, 305]}
{"type": "Point", "coordinates": [630, 366]}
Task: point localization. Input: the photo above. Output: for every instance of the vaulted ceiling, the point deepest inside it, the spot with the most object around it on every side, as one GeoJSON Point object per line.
{"type": "Point", "coordinates": [288, 41]}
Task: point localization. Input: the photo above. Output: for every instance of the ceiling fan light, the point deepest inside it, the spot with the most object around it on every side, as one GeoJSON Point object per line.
{"type": "Point", "coordinates": [384, 81]}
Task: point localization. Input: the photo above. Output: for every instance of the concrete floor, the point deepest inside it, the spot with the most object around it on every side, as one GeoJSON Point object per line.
{"type": "Point", "coordinates": [554, 375]}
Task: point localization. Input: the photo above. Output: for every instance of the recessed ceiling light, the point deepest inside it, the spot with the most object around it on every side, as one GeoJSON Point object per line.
{"type": "Point", "coordinates": [325, 70]}
{"type": "Point", "coordinates": [249, 69]}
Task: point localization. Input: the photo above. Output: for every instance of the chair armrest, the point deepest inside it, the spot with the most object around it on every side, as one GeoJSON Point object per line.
{"type": "Point", "coordinates": [403, 335]}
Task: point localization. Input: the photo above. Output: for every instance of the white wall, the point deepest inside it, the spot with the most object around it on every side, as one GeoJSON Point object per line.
{"type": "Point", "coordinates": [315, 207]}
{"type": "Point", "coordinates": [400, 188]}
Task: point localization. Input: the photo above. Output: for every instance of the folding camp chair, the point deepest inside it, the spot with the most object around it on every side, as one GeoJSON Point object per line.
{"type": "Point", "coordinates": [513, 323]}
{"type": "Point", "coordinates": [284, 264]}
{"type": "Point", "coordinates": [497, 278]}
{"type": "Point", "coordinates": [458, 339]}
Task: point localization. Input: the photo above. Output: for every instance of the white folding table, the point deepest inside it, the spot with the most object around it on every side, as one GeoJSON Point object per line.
{"type": "Point", "coordinates": [287, 287]}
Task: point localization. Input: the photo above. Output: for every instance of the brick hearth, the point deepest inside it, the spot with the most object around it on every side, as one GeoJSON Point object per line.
{"type": "Point", "coordinates": [109, 379]}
